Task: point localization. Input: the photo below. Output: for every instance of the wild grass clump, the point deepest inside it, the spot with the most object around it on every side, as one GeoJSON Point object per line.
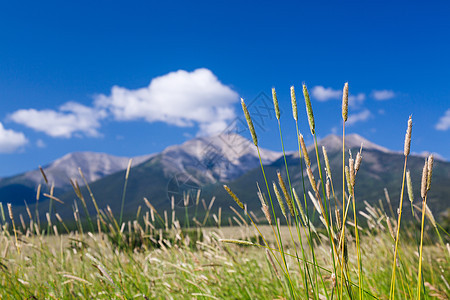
{"type": "Point", "coordinates": [345, 254]}
{"type": "Point", "coordinates": [351, 276]}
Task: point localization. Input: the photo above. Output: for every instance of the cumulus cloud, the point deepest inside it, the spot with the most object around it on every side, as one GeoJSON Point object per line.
{"type": "Point", "coordinates": [11, 140]}
{"type": "Point", "coordinates": [359, 117]}
{"type": "Point", "coordinates": [444, 121]}
{"type": "Point", "coordinates": [356, 100]}
{"type": "Point", "coordinates": [383, 95]}
{"type": "Point", "coordinates": [71, 118]}
{"type": "Point", "coordinates": [324, 94]}
{"type": "Point", "coordinates": [178, 98]}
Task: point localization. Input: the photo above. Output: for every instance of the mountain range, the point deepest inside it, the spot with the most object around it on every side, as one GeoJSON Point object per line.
{"type": "Point", "coordinates": [207, 163]}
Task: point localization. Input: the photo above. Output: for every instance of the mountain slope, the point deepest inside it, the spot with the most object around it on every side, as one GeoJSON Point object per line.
{"type": "Point", "coordinates": [179, 169]}
{"type": "Point", "coordinates": [206, 163]}
{"type": "Point", "coordinates": [94, 166]}
{"type": "Point", "coordinates": [380, 168]}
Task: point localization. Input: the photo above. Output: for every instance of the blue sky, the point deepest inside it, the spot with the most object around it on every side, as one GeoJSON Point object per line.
{"type": "Point", "coordinates": [131, 78]}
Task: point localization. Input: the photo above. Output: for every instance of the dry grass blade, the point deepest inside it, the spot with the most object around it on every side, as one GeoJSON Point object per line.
{"type": "Point", "coordinates": [77, 279]}
{"type": "Point", "coordinates": [237, 242]}
{"type": "Point", "coordinates": [43, 174]}
{"type": "Point", "coordinates": [53, 198]}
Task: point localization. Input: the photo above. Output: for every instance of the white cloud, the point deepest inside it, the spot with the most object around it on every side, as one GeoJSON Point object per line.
{"type": "Point", "coordinates": [324, 94]}
{"type": "Point", "coordinates": [11, 140]}
{"type": "Point", "coordinates": [356, 100]}
{"type": "Point", "coordinates": [359, 117]}
{"type": "Point", "coordinates": [178, 98]}
{"type": "Point", "coordinates": [71, 118]}
{"type": "Point", "coordinates": [383, 95]}
{"type": "Point", "coordinates": [321, 93]}
{"type": "Point", "coordinates": [444, 121]}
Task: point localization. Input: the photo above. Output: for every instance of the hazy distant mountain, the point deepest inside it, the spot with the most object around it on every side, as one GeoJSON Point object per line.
{"type": "Point", "coordinates": [206, 163]}
{"type": "Point", "coordinates": [380, 168]}
{"type": "Point", "coordinates": [21, 187]}
{"type": "Point", "coordinates": [334, 143]}
{"type": "Point", "coordinates": [193, 165]}
{"type": "Point", "coordinates": [219, 158]}
{"type": "Point", "coordinates": [93, 165]}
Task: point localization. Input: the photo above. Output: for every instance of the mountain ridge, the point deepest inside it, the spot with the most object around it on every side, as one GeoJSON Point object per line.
{"type": "Point", "coordinates": [206, 163]}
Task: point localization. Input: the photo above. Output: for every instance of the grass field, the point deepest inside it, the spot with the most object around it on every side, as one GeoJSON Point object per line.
{"type": "Point", "coordinates": [348, 254]}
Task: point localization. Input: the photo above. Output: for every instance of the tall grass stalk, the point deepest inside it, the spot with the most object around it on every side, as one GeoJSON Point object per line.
{"type": "Point", "coordinates": [344, 119]}
{"type": "Point", "coordinates": [125, 189]}
{"type": "Point", "coordinates": [319, 167]}
{"type": "Point", "coordinates": [290, 201]}
{"type": "Point", "coordinates": [307, 222]}
{"type": "Point", "coordinates": [406, 153]}
{"type": "Point", "coordinates": [278, 239]}
{"type": "Point", "coordinates": [425, 187]}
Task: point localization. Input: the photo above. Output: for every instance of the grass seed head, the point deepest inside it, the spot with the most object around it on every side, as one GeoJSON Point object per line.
{"type": "Point", "coordinates": [38, 192]}
{"type": "Point", "coordinates": [327, 162]}
{"type": "Point", "coordinates": [43, 175]}
{"type": "Point", "coordinates": [409, 186]}
{"type": "Point", "coordinates": [235, 198]}
{"type": "Point", "coordinates": [266, 212]}
{"type": "Point", "coordinates": [280, 200]}
{"type": "Point", "coordinates": [312, 181]}
{"type": "Point", "coordinates": [391, 229]}
{"type": "Point", "coordinates": [358, 160]}
{"type": "Point", "coordinates": [309, 110]}
{"type": "Point", "coordinates": [275, 103]}
{"type": "Point", "coordinates": [2, 212]}
{"type": "Point", "coordinates": [423, 187]}
{"type": "Point", "coordinates": [299, 205]}
{"type": "Point", "coordinates": [237, 242]}
{"type": "Point", "coordinates": [345, 102]}
{"type": "Point", "coordinates": [28, 210]}
{"type": "Point", "coordinates": [249, 122]}
{"type": "Point", "coordinates": [327, 188]}
{"type": "Point", "coordinates": [349, 185]}
{"type": "Point", "coordinates": [351, 164]}
{"type": "Point", "coordinates": [305, 151]}
{"type": "Point", "coordinates": [338, 217]}
{"type": "Point", "coordinates": [430, 171]}
{"type": "Point", "coordinates": [260, 195]}
{"type": "Point", "coordinates": [386, 195]}
{"type": "Point", "coordinates": [287, 197]}
{"type": "Point", "coordinates": [294, 104]}
{"type": "Point", "coordinates": [408, 138]}
{"type": "Point", "coordinates": [10, 212]}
